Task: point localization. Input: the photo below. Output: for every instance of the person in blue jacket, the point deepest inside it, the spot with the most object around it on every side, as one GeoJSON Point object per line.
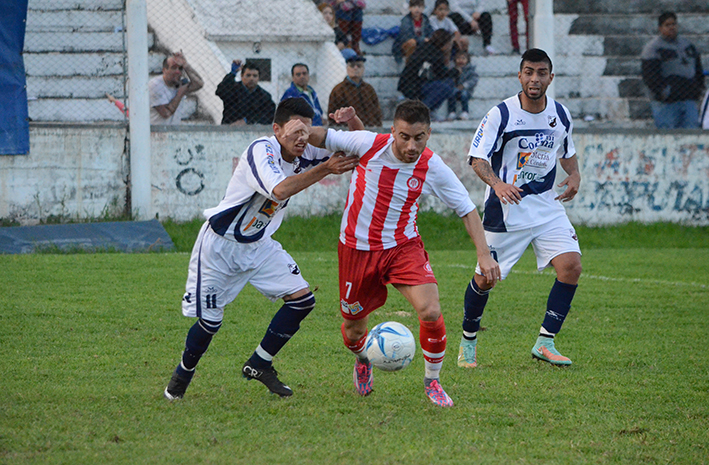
{"type": "Point", "coordinates": [300, 75]}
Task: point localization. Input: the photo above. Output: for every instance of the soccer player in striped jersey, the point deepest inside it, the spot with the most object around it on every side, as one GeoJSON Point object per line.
{"type": "Point", "coordinates": [379, 240]}
{"type": "Point", "coordinates": [515, 151]}
{"type": "Point", "coordinates": [234, 246]}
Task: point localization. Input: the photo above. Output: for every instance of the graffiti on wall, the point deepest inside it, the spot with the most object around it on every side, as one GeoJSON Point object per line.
{"type": "Point", "coordinates": [189, 181]}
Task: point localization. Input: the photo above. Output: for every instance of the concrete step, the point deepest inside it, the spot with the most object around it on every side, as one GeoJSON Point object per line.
{"type": "Point", "coordinates": [652, 7]}
{"type": "Point", "coordinates": [74, 87]}
{"type": "Point", "coordinates": [83, 64]}
{"type": "Point", "coordinates": [74, 21]}
{"type": "Point", "coordinates": [72, 42]}
{"type": "Point", "coordinates": [86, 5]}
{"type": "Point", "coordinates": [635, 24]}
{"type": "Point", "coordinates": [86, 110]}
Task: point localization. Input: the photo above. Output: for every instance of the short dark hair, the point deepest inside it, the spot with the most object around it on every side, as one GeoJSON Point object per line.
{"type": "Point", "coordinates": [440, 37]}
{"type": "Point", "coordinates": [416, 3]}
{"type": "Point", "coordinates": [441, 2]}
{"type": "Point", "coordinates": [665, 16]}
{"type": "Point", "coordinates": [296, 106]}
{"type": "Point", "coordinates": [292, 69]}
{"type": "Point", "coordinates": [251, 65]}
{"type": "Point", "coordinates": [535, 55]}
{"type": "Point", "coordinates": [412, 112]}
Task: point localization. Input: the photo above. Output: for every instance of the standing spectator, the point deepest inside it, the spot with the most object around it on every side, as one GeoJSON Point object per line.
{"type": "Point", "coordinates": [245, 102]}
{"type": "Point", "coordinates": [328, 14]}
{"type": "Point", "coordinates": [354, 92]}
{"type": "Point", "coordinates": [169, 89]}
{"type": "Point", "coordinates": [465, 85]}
{"type": "Point", "coordinates": [514, 151]}
{"type": "Point", "coordinates": [426, 76]}
{"type": "Point", "coordinates": [235, 247]}
{"type": "Point", "coordinates": [513, 14]}
{"type": "Point", "coordinates": [414, 30]}
{"type": "Point", "coordinates": [470, 20]}
{"type": "Point", "coordinates": [672, 71]}
{"type": "Point", "coordinates": [349, 15]}
{"type": "Point", "coordinates": [300, 75]}
{"type": "Point", "coordinates": [440, 20]}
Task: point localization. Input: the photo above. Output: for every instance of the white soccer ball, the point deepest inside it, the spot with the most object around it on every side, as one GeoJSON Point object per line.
{"type": "Point", "coordinates": [390, 346]}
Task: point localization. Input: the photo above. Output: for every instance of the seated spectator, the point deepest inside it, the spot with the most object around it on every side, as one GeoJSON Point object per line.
{"type": "Point", "coordinates": [300, 74]}
{"type": "Point", "coordinates": [349, 15]}
{"type": "Point", "coordinates": [414, 30]}
{"type": "Point", "coordinates": [470, 20]}
{"type": "Point", "coordinates": [440, 20]}
{"type": "Point", "coordinates": [245, 102]}
{"type": "Point", "coordinates": [465, 85]}
{"type": "Point", "coordinates": [328, 14]}
{"type": "Point", "coordinates": [354, 92]}
{"type": "Point", "coordinates": [426, 76]}
{"type": "Point", "coordinates": [169, 89]}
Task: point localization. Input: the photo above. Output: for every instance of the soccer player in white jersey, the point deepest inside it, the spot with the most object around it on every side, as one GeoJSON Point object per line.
{"type": "Point", "coordinates": [379, 240]}
{"type": "Point", "coordinates": [234, 246]}
{"type": "Point", "coordinates": [514, 151]}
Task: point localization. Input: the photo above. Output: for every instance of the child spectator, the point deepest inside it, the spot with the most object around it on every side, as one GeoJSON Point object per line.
{"type": "Point", "coordinates": [414, 30]}
{"type": "Point", "coordinates": [440, 20]}
{"type": "Point", "coordinates": [328, 14]}
{"type": "Point", "coordinates": [349, 15]}
{"type": "Point", "coordinates": [465, 85]}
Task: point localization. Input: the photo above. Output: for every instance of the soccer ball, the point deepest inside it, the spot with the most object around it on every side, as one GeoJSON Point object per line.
{"type": "Point", "coordinates": [390, 346]}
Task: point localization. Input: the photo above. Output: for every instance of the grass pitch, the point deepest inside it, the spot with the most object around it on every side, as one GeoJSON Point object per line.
{"type": "Point", "coordinates": [89, 342]}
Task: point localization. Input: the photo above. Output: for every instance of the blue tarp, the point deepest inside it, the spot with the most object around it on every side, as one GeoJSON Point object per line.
{"type": "Point", "coordinates": [126, 236]}
{"type": "Point", "coordinates": [14, 118]}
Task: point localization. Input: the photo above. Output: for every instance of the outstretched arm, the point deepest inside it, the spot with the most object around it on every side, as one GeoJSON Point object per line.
{"type": "Point", "coordinates": [572, 181]}
{"type": "Point", "coordinates": [488, 266]}
{"type": "Point", "coordinates": [336, 164]}
{"type": "Point", "coordinates": [507, 193]}
{"type": "Point", "coordinates": [318, 134]}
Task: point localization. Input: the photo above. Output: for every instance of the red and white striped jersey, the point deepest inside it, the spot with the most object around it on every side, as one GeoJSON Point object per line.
{"type": "Point", "coordinates": [383, 198]}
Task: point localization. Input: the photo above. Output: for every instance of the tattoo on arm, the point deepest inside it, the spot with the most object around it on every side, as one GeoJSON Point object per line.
{"type": "Point", "coordinates": [484, 171]}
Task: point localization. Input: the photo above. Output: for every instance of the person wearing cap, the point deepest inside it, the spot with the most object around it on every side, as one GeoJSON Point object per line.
{"type": "Point", "coordinates": [354, 92]}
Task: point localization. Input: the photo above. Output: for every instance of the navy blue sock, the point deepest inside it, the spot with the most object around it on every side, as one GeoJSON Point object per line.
{"type": "Point", "coordinates": [474, 305]}
{"type": "Point", "coordinates": [558, 306]}
{"type": "Point", "coordinates": [284, 325]}
{"type": "Point", "coordinates": [198, 338]}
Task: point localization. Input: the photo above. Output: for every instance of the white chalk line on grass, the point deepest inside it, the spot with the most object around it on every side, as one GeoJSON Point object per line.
{"type": "Point", "coordinates": [603, 278]}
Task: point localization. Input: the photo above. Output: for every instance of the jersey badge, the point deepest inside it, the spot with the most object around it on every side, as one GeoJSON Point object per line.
{"type": "Point", "coordinates": [351, 309]}
{"type": "Point", "coordinates": [414, 183]}
{"type": "Point", "coordinates": [293, 267]}
{"type": "Point", "coordinates": [552, 121]}
{"type": "Point", "coordinates": [268, 208]}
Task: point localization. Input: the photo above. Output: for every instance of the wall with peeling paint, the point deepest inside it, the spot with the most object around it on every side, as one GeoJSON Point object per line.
{"type": "Point", "coordinates": [81, 172]}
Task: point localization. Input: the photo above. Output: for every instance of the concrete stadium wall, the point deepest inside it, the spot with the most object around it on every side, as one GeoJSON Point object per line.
{"type": "Point", "coordinates": [81, 172]}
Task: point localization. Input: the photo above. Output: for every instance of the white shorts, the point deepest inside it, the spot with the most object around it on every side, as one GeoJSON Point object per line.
{"type": "Point", "coordinates": [220, 268]}
{"type": "Point", "coordinates": [548, 241]}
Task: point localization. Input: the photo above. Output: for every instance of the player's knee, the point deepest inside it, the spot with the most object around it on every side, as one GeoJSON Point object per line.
{"type": "Point", "coordinates": [430, 312]}
{"type": "Point", "coordinates": [353, 331]}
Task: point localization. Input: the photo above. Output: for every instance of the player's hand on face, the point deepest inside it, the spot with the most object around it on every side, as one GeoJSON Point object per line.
{"type": "Point", "coordinates": [572, 183]}
{"type": "Point", "coordinates": [340, 163]}
{"type": "Point", "coordinates": [180, 58]}
{"type": "Point", "coordinates": [343, 115]}
{"type": "Point", "coordinates": [507, 193]}
{"type": "Point", "coordinates": [295, 129]}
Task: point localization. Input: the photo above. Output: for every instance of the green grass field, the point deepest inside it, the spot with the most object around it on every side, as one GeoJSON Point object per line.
{"type": "Point", "coordinates": [90, 340]}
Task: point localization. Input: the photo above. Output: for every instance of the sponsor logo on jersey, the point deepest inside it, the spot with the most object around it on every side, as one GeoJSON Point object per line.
{"type": "Point", "coordinates": [552, 121]}
{"type": "Point", "coordinates": [520, 122]}
{"type": "Point", "coordinates": [522, 159]}
{"type": "Point", "coordinates": [271, 159]}
{"type": "Point", "coordinates": [540, 140]}
{"type": "Point", "coordinates": [351, 309]}
{"type": "Point", "coordinates": [269, 208]}
{"type": "Point", "coordinates": [414, 183]}
{"type": "Point", "coordinates": [293, 267]}
{"type": "Point", "coordinates": [481, 130]}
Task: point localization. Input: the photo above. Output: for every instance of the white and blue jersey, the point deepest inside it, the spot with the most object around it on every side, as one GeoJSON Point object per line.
{"type": "Point", "coordinates": [523, 148]}
{"type": "Point", "coordinates": [249, 212]}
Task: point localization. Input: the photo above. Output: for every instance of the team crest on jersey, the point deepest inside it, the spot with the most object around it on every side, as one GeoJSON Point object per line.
{"type": "Point", "coordinates": [552, 121]}
{"type": "Point", "coordinates": [414, 183]}
{"type": "Point", "coordinates": [293, 267]}
{"type": "Point", "coordinates": [522, 159]}
{"type": "Point", "coordinates": [573, 235]}
{"type": "Point", "coordinates": [351, 309]}
{"type": "Point", "coordinates": [268, 208]}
